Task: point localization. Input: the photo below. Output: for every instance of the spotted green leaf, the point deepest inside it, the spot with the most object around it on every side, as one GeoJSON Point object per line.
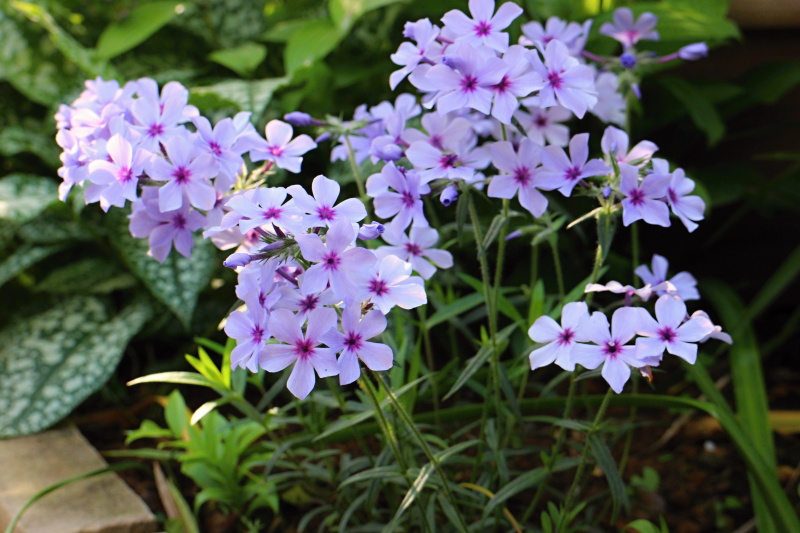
{"type": "Point", "coordinates": [52, 362]}
{"type": "Point", "coordinates": [22, 258]}
{"type": "Point", "coordinates": [246, 95]}
{"type": "Point", "coordinates": [24, 196]}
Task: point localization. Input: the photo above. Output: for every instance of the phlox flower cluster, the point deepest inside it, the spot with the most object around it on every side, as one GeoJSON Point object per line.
{"type": "Point", "coordinates": [634, 338]}
{"type": "Point", "coordinates": [311, 291]}
{"type": "Point", "coordinates": [136, 144]}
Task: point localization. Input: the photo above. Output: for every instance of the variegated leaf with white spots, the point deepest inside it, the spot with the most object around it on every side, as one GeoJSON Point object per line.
{"type": "Point", "coordinates": [53, 361]}
{"type": "Point", "coordinates": [24, 196]}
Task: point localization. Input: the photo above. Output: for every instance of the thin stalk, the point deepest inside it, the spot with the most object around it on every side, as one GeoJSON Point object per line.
{"type": "Point", "coordinates": [409, 423]}
{"type": "Point", "coordinates": [426, 341]}
{"type": "Point", "coordinates": [553, 452]}
{"type": "Point", "coordinates": [634, 247]}
{"type": "Point", "coordinates": [386, 428]}
{"type": "Point", "coordinates": [598, 262]}
{"type": "Point", "coordinates": [582, 465]}
{"type": "Point", "coordinates": [559, 271]}
{"type": "Point", "coordinates": [351, 157]}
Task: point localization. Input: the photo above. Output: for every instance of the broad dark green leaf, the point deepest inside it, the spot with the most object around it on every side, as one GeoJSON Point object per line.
{"type": "Point", "coordinates": [142, 22]}
{"type": "Point", "coordinates": [344, 13]}
{"type": "Point", "coordinates": [24, 196]}
{"type": "Point", "coordinates": [703, 113]}
{"type": "Point", "coordinates": [243, 59]}
{"type": "Point", "coordinates": [53, 361]}
{"type": "Point", "coordinates": [309, 43]}
{"type": "Point", "coordinates": [92, 275]}
{"type": "Point", "coordinates": [22, 258]}
{"type": "Point", "coordinates": [246, 95]}
{"type": "Point", "coordinates": [16, 140]}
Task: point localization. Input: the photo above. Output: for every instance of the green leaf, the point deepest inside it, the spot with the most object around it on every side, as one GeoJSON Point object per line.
{"type": "Point", "coordinates": [244, 59]}
{"type": "Point", "coordinates": [309, 43]}
{"type": "Point", "coordinates": [454, 309]}
{"type": "Point", "coordinates": [606, 461]}
{"type": "Point", "coordinates": [24, 257]}
{"type": "Point", "coordinates": [479, 360]}
{"type": "Point", "coordinates": [769, 83]}
{"type": "Point", "coordinates": [606, 226]}
{"type": "Point", "coordinates": [82, 57]}
{"type": "Point", "coordinates": [703, 113]}
{"type": "Point", "coordinates": [344, 13]}
{"type": "Point", "coordinates": [641, 526]}
{"type": "Point", "coordinates": [523, 482]}
{"type": "Point", "coordinates": [92, 275]}
{"type": "Point", "coordinates": [181, 378]}
{"type": "Point", "coordinates": [53, 361]}
{"type": "Point", "coordinates": [247, 95]}
{"type": "Point", "coordinates": [178, 281]}
{"type": "Point", "coordinates": [142, 22]}
{"type": "Point", "coordinates": [24, 196]}
{"type": "Point", "coordinates": [16, 140]}
{"type": "Point", "coordinates": [498, 222]}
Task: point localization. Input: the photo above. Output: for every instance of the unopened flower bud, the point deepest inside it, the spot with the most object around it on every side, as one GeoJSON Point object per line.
{"type": "Point", "coordinates": [449, 195]}
{"type": "Point", "coordinates": [627, 60]}
{"type": "Point", "coordinates": [370, 231]}
{"type": "Point", "coordinates": [323, 137]}
{"type": "Point", "coordinates": [238, 259]}
{"type": "Point", "coordinates": [693, 52]}
{"type": "Point", "coordinates": [298, 118]}
{"type": "Point", "coordinates": [606, 191]}
{"type": "Point", "coordinates": [514, 234]}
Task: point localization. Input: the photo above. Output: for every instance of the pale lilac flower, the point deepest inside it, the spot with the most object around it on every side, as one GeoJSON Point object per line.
{"type": "Point", "coordinates": [405, 201]}
{"type": "Point", "coordinates": [454, 162]}
{"type": "Point", "coordinates": [164, 229]}
{"type": "Point", "coordinates": [543, 126]}
{"type": "Point", "coordinates": [319, 209]}
{"type": "Point", "coordinates": [484, 28]}
{"type": "Point", "coordinates": [563, 80]}
{"type": "Point", "coordinates": [571, 34]}
{"type": "Point", "coordinates": [687, 208]}
{"type": "Point", "coordinates": [618, 288]}
{"type": "Point", "coordinates": [219, 142]}
{"type": "Point", "coordinates": [302, 350]}
{"type": "Point", "coordinates": [610, 347]}
{"type": "Point", "coordinates": [74, 168]}
{"type": "Point", "coordinates": [561, 338]}
{"type": "Point", "coordinates": [115, 179]}
{"type": "Point", "coordinates": [250, 329]}
{"type": "Point", "coordinates": [409, 56]}
{"type": "Point", "coordinates": [370, 231]}
{"type": "Point", "coordinates": [643, 198]}
{"type": "Point", "coordinates": [157, 123]}
{"type": "Point", "coordinates": [441, 131]}
{"type": "Point", "coordinates": [337, 261]}
{"type": "Point", "coordinates": [568, 171]}
{"type": "Point", "coordinates": [390, 283]}
{"type": "Point", "coordinates": [520, 173]}
{"type": "Point", "coordinates": [684, 284]}
{"type": "Point", "coordinates": [188, 173]}
{"type": "Point", "coordinates": [264, 207]}
{"type": "Point", "coordinates": [716, 331]}
{"type": "Point", "coordinates": [352, 343]}
{"type": "Point", "coordinates": [628, 32]}
{"type": "Point", "coordinates": [611, 107]}
{"type": "Point", "coordinates": [615, 144]}
{"type": "Point", "coordinates": [256, 285]}
{"type": "Point", "coordinates": [517, 82]}
{"type": "Point", "coordinates": [172, 94]}
{"type": "Point", "coordinates": [301, 304]}
{"type": "Point", "coordinates": [280, 148]}
{"type": "Point", "coordinates": [669, 331]}
{"type": "Point", "coordinates": [416, 248]}
{"type": "Point", "coordinates": [468, 82]}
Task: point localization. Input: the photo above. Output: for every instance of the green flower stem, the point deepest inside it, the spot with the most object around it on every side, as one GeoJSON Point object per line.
{"type": "Point", "coordinates": [559, 270]}
{"type": "Point", "coordinates": [426, 341]}
{"type": "Point", "coordinates": [582, 465]}
{"type": "Point", "coordinates": [409, 423]}
{"type": "Point", "coordinates": [351, 157]}
{"type": "Point", "coordinates": [386, 428]}
{"type": "Point", "coordinates": [634, 247]}
{"type": "Point", "coordinates": [598, 263]}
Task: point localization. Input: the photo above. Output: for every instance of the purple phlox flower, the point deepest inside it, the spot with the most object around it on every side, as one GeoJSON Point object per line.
{"type": "Point", "coordinates": [219, 143]}
{"type": "Point", "coordinates": [716, 331]}
{"type": "Point", "coordinates": [409, 56]}
{"type": "Point", "coordinates": [361, 140]}
{"type": "Point", "coordinates": [520, 173]}
{"type": "Point", "coordinates": [615, 144]}
{"type": "Point", "coordinates": [114, 179]}
{"type": "Point", "coordinates": [264, 207]}
{"type": "Point", "coordinates": [484, 28]}
{"type": "Point", "coordinates": [172, 94]}
{"type": "Point", "coordinates": [609, 346]}
{"type": "Point", "coordinates": [370, 231]}
{"type": "Point", "coordinates": [618, 288]}
{"type": "Point", "coordinates": [100, 93]}
{"type": "Point", "coordinates": [279, 147]}
{"type": "Point", "coordinates": [256, 286]}
{"type": "Point", "coordinates": [517, 82]}
{"type": "Point", "coordinates": [467, 78]}
{"type": "Point", "coordinates": [429, 87]}
{"type": "Point", "coordinates": [685, 285]}
{"type": "Point", "coordinates": [405, 105]}
{"type": "Point", "coordinates": [351, 343]}
{"type": "Point", "coordinates": [693, 52]}
{"type": "Point", "coordinates": [303, 350]}
{"type": "Point", "coordinates": [572, 34]}
{"type": "Point", "coordinates": [390, 283]}
{"type": "Point", "coordinates": [89, 125]}
{"type": "Point", "coordinates": [559, 339]}
{"type": "Point", "coordinates": [610, 107]}
{"type": "Point", "coordinates": [293, 299]}
{"type": "Point", "coordinates": [337, 261]}
{"type": "Point", "coordinates": [156, 123]}
{"type": "Point", "coordinates": [669, 331]}
{"type": "Point", "coordinates": [543, 126]}
{"type": "Point", "coordinates": [458, 161]}
{"type": "Point", "coordinates": [417, 249]}
{"type": "Point", "coordinates": [687, 208]}
{"type": "Point", "coordinates": [627, 31]}
{"type": "Point", "coordinates": [319, 209]}
{"type": "Point", "coordinates": [188, 172]}
{"type": "Point", "coordinates": [389, 147]}
{"type": "Point", "coordinates": [643, 199]}
{"type": "Point", "coordinates": [441, 131]}
{"type": "Point", "coordinates": [164, 229]}
{"type": "Point", "coordinates": [251, 331]}
{"type": "Point", "coordinates": [405, 201]}
{"type": "Point", "coordinates": [564, 172]}
{"type": "Point", "coordinates": [563, 80]}
{"type": "Point", "coordinates": [74, 168]}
